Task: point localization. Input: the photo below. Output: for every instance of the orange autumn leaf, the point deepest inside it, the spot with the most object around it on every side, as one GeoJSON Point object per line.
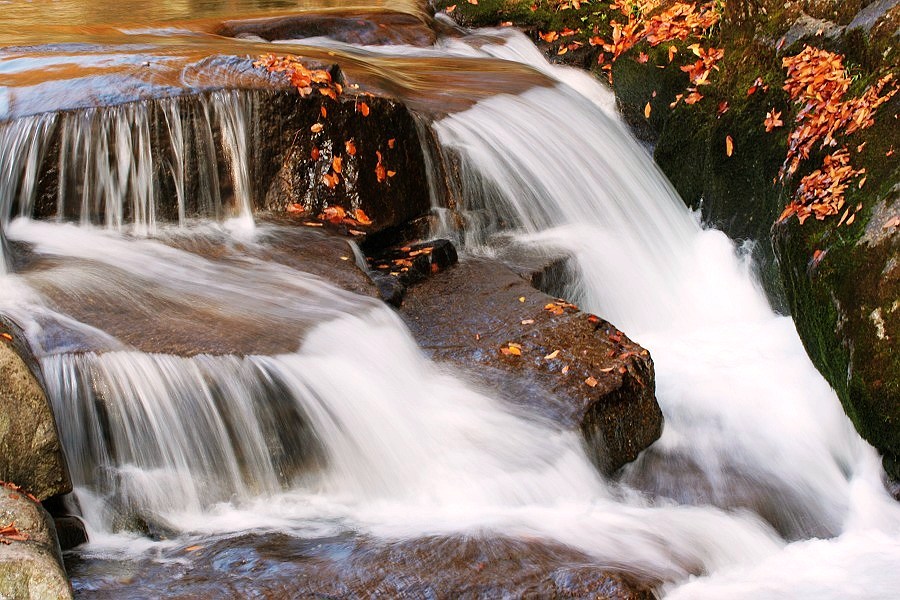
{"type": "Point", "coordinates": [392, 142]}
{"type": "Point", "coordinates": [450, 9]}
{"type": "Point", "coordinates": [773, 120]}
{"type": "Point", "coordinates": [331, 180]}
{"type": "Point", "coordinates": [295, 208]}
{"type": "Point", "coordinates": [549, 37]}
{"type": "Point", "coordinates": [316, 127]}
{"type": "Point", "coordinates": [333, 214]}
{"type": "Point", "coordinates": [591, 382]}
{"type": "Point", "coordinates": [337, 164]}
{"type": "Point", "coordinates": [647, 110]}
{"type": "Point", "coordinates": [361, 217]}
{"type": "Point", "coordinates": [729, 145]}
{"type": "Point", "coordinates": [364, 109]}
{"type": "Point", "coordinates": [323, 112]}
{"type": "Point", "coordinates": [350, 147]}
{"type": "Point", "coordinates": [315, 153]}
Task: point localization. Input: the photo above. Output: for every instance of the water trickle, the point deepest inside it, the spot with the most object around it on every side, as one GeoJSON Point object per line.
{"type": "Point", "coordinates": [132, 165]}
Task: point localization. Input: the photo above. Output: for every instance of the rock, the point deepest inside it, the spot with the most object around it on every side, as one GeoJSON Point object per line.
{"type": "Point", "coordinates": [844, 290]}
{"type": "Point", "coordinates": [30, 569]}
{"type": "Point", "coordinates": [598, 382]}
{"type": "Point", "coordinates": [366, 28]}
{"type": "Point", "coordinates": [394, 269]}
{"type": "Point", "coordinates": [871, 14]}
{"type": "Point", "coordinates": [70, 531]}
{"type": "Point", "coordinates": [345, 566]}
{"type": "Point", "coordinates": [30, 451]}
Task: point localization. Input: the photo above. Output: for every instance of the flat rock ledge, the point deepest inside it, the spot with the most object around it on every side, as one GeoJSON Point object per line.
{"type": "Point", "coordinates": [31, 568]}
{"type": "Point", "coordinates": [540, 353]}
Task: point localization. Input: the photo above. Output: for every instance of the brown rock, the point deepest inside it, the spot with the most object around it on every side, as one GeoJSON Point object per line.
{"type": "Point", "coordinates": [30, 451]}
{"type": "Point", "coordinates": [30, 569]}
{"type": "Point", "coordinates": [576, 369]}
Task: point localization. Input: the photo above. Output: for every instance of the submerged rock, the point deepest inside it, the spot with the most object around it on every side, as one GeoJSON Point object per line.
{"type": "Point", "coordinates": [542, 354]}
{"type": "Point", "coordinates": [30, 451]}
{"type": "Point", "coordinates": [282, 566]}
{"type": "Point", "coordinates": [31, 567]}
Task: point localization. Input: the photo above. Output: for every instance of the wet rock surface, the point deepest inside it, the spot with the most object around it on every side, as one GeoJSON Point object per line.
{"type": "Point", "coordinates": [165, 320]}
{"type": "Point", "coordinates": [30, 451]}
{"type": "Point", "coordinates": [352, 27]}
{"type": "Point", "coordinates": [280, 566]}
{"type": "Point", "coordinates": [31, 566]}
{"type": "Point", "coordinates": [540, 353]}
{"type": "Point", "coordinates": [844, 298]}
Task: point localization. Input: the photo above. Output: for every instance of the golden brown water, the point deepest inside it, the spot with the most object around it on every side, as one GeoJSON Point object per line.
{"type": "Point", "coordinates": [77, 53]}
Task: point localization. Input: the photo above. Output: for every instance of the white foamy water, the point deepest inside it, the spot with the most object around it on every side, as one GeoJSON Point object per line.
{"type": "Point", "coordinates": [758, 488]}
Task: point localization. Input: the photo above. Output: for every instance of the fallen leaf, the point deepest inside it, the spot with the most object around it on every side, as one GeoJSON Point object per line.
{"type": "Point", "coordinates": [193, 548]}
{"type": "Point", "coordinates": [6, 337]}
{"type": "Point", "coordinates": [450, 9]}
{"type": "Point", "coordinates": [643, 58]}
{"type": "Point", "coordinates": [337, 164]}
{"type": "Point", "coordinates": [521, 298]}
{"type": "Point", "coordinates": [590, 381]}
{"type": "Point", "coordinates": [773, 120]}
{"type": "Point", "coordinates": [323, 112]}
{"type": "Point", "coordinates": [729, 145]}
{"type": "Point", "coordinates": [315, 153]}
{"type": "Point", "coordinates": [552, 355]}
{"type": "Point", "coordinates": [647, 110]}
{"type": "Point", "coordinates": [293, 208]}
{"type": "Point", "coordinates": [528, 322]}
{"type": "Point", "coordinates": [472, 1]}
{"type": "Point", "coordinates": [391, 142]}
{"type": "Point", "coordinates": [364, 109]}
{"type": "Point", "coordinates": [565, 369]}
{"type": "Point", "coordinates": [350, 147]}
{"type": "Point", "coordinates": [549, 37]}
{"type": "Point", "coordinates": [361, 217]}
{"type": "Point", "coordinates": [316, 127]}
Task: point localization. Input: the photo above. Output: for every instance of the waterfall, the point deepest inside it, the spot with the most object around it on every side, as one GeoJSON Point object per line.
{"type": "Point", "coordinates": [116, 166]}
{"type": "Point", "coordinates": [757, 483]}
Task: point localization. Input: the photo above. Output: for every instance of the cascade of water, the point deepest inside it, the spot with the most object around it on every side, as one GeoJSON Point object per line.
{"type": "Point", "coordinates": [233, 112]}
{"type": "Point", "coordinates": [356, 430]}
{"type": "Point", "coordinates": [749, 422]}
{"type": "Point", "coordinates": [114, 164]}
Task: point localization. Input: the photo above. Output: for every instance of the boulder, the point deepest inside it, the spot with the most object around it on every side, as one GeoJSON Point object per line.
{"type": "Point", "coordinates": [30, 562]}
{"type": "Point", "coordinates": [30, 452]}
{"type": "Point", "coordinates": [843, 290]}
{"type": "Point", "coordinates": [540, 353]}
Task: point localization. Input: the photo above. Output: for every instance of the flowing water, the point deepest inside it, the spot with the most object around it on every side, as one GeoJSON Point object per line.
{"type": "Point", "coordinates": [759, 487]}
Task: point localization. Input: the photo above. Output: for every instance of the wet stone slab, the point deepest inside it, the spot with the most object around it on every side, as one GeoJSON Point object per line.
{"type": "Point", "coordinates": [280, 566]}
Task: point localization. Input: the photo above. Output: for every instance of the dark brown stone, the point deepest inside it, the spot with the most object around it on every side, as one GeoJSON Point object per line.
{"type": "Point", "coordinates": [469, 313]}
{"type": "Point", "coordinates": [353, 27]}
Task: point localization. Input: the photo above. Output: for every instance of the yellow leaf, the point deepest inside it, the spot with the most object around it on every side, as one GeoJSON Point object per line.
{"type": "Point", "coordinates": [729, 145]}
{"type": "Point", "coordinates": [521, 298]}
{"type": "Point", "coordinates": [647, 110]}
{"type": "Point", "coordinates": [317, 127]}
{"type": "Point", "coordinates": [552, 355]}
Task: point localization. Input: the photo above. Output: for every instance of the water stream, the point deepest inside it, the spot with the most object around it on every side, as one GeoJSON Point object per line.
{"type": "Point", "coordinates": [758, 488]}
